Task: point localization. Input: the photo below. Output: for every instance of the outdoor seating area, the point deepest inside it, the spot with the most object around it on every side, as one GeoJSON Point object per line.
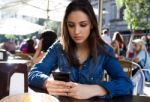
{"type": "Point", "coordinates": [74, 51]}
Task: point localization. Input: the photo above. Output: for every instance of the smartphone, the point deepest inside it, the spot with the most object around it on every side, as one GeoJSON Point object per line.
{"type": "Point", "coordinates": [61, 76]}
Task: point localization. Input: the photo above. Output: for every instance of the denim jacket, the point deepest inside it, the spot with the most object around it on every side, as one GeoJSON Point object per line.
{"type": "Point", "coordinates": [120, 84]}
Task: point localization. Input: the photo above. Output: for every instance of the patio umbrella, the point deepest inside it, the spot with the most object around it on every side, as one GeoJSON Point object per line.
{"type": "Point", "coordinates": [18, 27]}
{"type": "Point", "coordinates": [47, 9]}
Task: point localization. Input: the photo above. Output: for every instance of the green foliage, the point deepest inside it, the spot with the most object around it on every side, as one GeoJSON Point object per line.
{"type": "Point", "coordinates": [120, 3]}
{"type": "Point", "coordinates": [52, 25]}
{"type": "Point", "coordinates": [10, 36]}
{"type": "Point", "coordinates": [135, 11]}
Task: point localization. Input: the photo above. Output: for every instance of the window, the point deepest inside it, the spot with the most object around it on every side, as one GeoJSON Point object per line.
{"type": "Point", "coordinates": [114, 11]}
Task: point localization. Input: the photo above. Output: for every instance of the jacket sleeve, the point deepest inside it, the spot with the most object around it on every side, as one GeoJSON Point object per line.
{"type": "Point", "coordinates": [120, 84]}
{"type": "Point", "coordinates": [41, 71]}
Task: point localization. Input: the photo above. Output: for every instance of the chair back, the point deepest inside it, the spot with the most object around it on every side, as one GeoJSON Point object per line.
{"type": "Point", "coordinates": [6, 72]}
{"type": "Point", "coordinates": [138, 81]}
{"type": "Point", "coordinates": [127, 67]}
{"type": "Point", "coordinates": [20, 55]}
{"type": "Point", "coordinates": [23, 56]}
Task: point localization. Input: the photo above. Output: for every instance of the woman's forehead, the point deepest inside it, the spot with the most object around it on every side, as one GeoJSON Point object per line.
{"type": "Point", "coordinates": [136, 44]}
{"type": "Point", "coordinates": [77, 16]}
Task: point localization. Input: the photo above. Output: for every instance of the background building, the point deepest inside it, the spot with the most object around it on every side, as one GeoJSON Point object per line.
{"type": "Point", "coordinates": [113, 19]}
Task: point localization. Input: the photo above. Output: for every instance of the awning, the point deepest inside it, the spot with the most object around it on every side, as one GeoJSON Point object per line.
{"type": "Point", "coordinates": [18, 27]}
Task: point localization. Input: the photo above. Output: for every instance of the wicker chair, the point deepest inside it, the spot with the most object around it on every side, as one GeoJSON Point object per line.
{"type": "Point", "coordinates": [127, 66]}
{"type": "Point", "coordinates": [138, 79]}
{"type": "Point", "coordinates": [22, 56]}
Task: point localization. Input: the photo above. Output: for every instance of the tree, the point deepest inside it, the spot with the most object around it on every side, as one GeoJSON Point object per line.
{"type": "Point", "coordinates": [52, 25]}
{"type": "Point", "coordinates": [134, 14]}
{"type": "Point", "coordinates": [135, 11]}
{"type": "Point", "coordinates": [10, 36]}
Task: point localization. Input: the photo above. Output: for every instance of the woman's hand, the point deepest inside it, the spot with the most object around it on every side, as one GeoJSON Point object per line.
{"type": "Point", "coordinates": [37, 56]}
{"type": "Point", "coordinates": [56, 87]}
{"type": "Point", "coordinates": [74, 90]}
{"type": "Point", "coordinates": [81, 91]}
{"type": "Point", "coordinates": [39, 48]}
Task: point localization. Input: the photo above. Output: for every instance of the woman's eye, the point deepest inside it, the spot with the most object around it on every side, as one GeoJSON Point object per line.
{"type": "Point", "coordinates": [70, 25]}
{"type": "Point", "coordinates": [83, 25]}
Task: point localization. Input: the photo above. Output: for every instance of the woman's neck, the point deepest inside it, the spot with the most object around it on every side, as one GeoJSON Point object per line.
{"type": "Point", "coordinates": [82, 52]}
{"type": "Point", "coordinates": [83, 46]}
{"type": "Point", "coordinates": [137, 52]}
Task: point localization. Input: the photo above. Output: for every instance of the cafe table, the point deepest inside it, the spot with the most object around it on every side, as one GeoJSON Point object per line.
{"type": "Point", "coordinates": [68, 99]}
{"type": "Point", "coordinates": [115, 99]}
{"type": "Point", "coordinates": [130, 98]}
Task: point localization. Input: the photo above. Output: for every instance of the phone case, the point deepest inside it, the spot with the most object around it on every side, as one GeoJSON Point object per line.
{"type": "Point", "coordinates": [61, 76]}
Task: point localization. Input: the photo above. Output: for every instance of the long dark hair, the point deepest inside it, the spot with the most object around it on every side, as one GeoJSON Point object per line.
{"type": "Point", "coordinates": [96, 44]}
{"type": "Point", "coordinates": [49, 37]}
{"type": "Point", "coordinates": [30, 46]}
{"type": "Point", "coordinates": [117, 36]}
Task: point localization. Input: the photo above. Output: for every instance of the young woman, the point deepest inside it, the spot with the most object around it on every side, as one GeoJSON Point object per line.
{"type": "Point", "coordinates": [85, 55]}
{"type": "Point", "coordinates": [142, 56]}
{"type": "Point", "coordinates": [119, 38]}
{"type": "Point", "coordinates": [116, 48]}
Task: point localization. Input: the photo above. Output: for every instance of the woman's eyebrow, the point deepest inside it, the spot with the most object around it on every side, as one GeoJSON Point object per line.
{"type": "Point", "coordinates": [79, 22]}
{"type": "Point", "coordinates": [70, 22]}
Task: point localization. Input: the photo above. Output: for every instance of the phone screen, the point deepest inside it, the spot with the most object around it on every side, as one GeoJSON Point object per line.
{"type": "Point", "coordinates": [61, 76]}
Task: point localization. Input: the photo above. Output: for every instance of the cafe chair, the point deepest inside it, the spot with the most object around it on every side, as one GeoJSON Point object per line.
{"type": "Point", "coordinates": [3, 55]}
{"type": "Point", "coordinates": [20, 55]}
{"type": "Point", "coordinates": [146, 71]}
{"type": "Point", "coordinates": [23, 56]}
{"type": "Point", "coordinates": [138, 79]}
{"type": "Point", "coordinates": [127, 67]}
{"type": "Point", "coordinates": [6, 72]}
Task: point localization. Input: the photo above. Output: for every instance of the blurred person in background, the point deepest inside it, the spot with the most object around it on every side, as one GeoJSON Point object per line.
{"type": "Point", "coordinates": [30, 46]}
{"type": "Point", "coordinates": [116, 48]}
{"type": "Point", "coordinates": [23, 46]}
{"type": "Point", "coordinates": [27, 46]}
{"type": "Point", "coordinates": [119, 38]}
{"type": "Point", "coordinates": [106, 36]}
{"type": "Point", "coordinates": [10, 46]}
{"type": "Point", "coordinates": [36, 41]}
{"type": "Point", "coordinates": [141, 56]}
{"type": "Point", "coordinates": [144, 39]}
{"type": "Point", "coordinates": [47, 38]}
{"type": "Point", "coordinates": [130, 53]}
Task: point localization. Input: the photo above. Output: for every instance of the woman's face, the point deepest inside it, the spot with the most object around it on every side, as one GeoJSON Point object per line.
{"type": "Point", "coordinates": [136, 47]}
{"type": "Point", "coordinates": [79, 26]}
{"type": "Point", "coordinates": [114, 45]}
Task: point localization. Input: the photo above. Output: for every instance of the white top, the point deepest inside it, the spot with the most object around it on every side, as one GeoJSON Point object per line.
{"type": "Point", "coordinates": [142, 57]}
{"type": "Point", "coordinates": [106, 38]}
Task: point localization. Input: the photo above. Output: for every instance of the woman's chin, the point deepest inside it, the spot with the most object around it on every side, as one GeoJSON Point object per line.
{"type": "Point", "coordinates": [79, 42]}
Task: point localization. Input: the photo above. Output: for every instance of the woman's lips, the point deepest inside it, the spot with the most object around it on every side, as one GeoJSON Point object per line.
{"type": "Point", "coordinates": [78, 38]}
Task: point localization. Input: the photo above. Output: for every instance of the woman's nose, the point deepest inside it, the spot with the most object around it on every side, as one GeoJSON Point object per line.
{"type": "Point", "coordinates": [77, 30]}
